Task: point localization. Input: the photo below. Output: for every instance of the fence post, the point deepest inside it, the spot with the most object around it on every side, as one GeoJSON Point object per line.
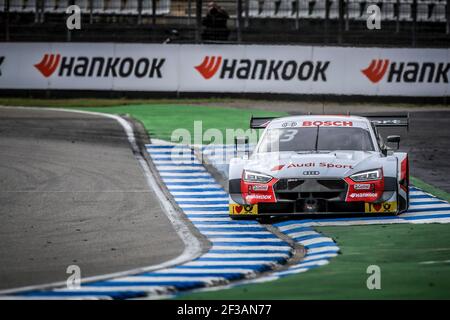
{"type": "Point", "coordinates": [154, 12]}
{"type": "Point", "coordinates": [7, 4]}
{"type": "Point", "coordinates": [247, 9]}
{"type": "Point", "coordinates": [447, 17]}
{"type": "Point", "coordinates": [69, 32]}
{"type": "Point", "coordinates": [139, 12]}
{"type": "Point", "coordinates": [189, 11]}
{"type": "Point", "coordinates": [238, 20]}
{"type": "Point", "coordinates": [327, 19]}
{"type": "Point", "coordinates": [347, 21]}
{"type": "Point", "coordinates": [91, 11]}
{"type": "Point", "coordinates": [414, 24]}
{"type": "Point", "coordinates": [341, 20]}
{"type": "Point", "coordinates": [198, 16]}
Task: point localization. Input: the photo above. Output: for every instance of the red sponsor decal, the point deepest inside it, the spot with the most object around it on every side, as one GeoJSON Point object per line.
{"type": "Point", "coordinates": [404, 174]}
{"type": "Point", "coordinates": [328, 123]}
{"type": "Point", "coordinates": [254, 193]}
{"type": "Point", "coordinates": [48, 64]}
{"type": "Point", "coordinates": [209, 66]}
{"type": "Point", "coordinates": [371, 194]}
{"type": "Point", "coordinates": [278, 168]}
{"type": "Point", "coordinates": [376, 70]}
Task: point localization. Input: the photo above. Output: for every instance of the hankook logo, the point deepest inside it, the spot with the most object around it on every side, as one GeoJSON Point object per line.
{"type": "Point", "coordinates": [48, 64]}
{"type": "Point", "coordinates": [407, 71]}
{"type": "Point", "coordinates": [263, 69]}
{"type": "Point", "coordinates": [209, 66]}
{"type": "Point", "coordinates": [376, 70]}
{"type": "Point", "coordinates": [311, 173]}
{"type": "Point", "coordinates": [100, 66]}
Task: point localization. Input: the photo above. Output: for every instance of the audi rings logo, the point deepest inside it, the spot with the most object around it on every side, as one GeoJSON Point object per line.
{"type": "Point", "coordinates": [311, 173]}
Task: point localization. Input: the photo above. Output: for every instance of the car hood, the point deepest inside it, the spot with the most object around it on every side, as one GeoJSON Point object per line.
{"type": "Point", "coordinates": [313, 165]}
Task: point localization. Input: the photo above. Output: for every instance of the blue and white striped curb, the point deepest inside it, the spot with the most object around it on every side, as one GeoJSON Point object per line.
{"type": "Point", "coordinates": [240, 249]}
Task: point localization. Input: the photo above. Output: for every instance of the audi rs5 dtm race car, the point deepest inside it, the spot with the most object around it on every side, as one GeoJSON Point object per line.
{"type": "Point", "coordinates": [320, 164]}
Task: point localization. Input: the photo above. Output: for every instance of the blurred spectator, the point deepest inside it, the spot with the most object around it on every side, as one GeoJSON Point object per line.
{"type": "Point", "coordinates": [215, 23]}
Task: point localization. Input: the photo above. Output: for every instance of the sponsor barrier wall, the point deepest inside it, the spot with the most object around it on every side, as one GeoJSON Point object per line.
{"type": "Point", "coordinates": [225, 68]}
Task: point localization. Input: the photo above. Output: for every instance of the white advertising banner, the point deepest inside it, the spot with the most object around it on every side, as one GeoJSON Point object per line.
{"type": "Point", "coordinates": [225, 68]}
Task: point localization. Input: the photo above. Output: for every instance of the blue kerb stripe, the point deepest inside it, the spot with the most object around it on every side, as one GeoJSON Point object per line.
{"type": "Point", "coordinates": [81, 293]}
{"type": "Point", "coordinates": [180, 171]}
{"type": "Point", "coordinates": [253, 268]}
{"type": "Point", "coordinates": [421, 196]}
{"type": "Point", "coordinates": [250, 244]}
{"type": "Point", "coordinates": [313, 260]}
{"type": "Point", "coordinates": [258, 251]}
{"type": "Point", "coordinates": [191, 183]}
{"type": "Point", "coordinates": [238, 235]}
{"type": "Point", "coordinates": [430, 209]}
{"type": "Point", "coordinates": [177, 284]}
{"type": "Point", "coordinates": [298, 229]}
{"type": "Point", "coordinates": [173, 158]}
{"type": "Point", "coordinates": [240, 223]}
{"type": "Point", "coordinates": [215, 209]}
{"type": "Point", "coordinates": [320, 253]}
{"type": "Point", "coordinates": [195, 189]}
{"type": "Point", "coordinates": [205, 202]}
{"type": "Point", "coordinates": [237, 230]}
{"type": "Point", "coordinates": [431, 216]}
{"type": "Point", "coordinates": [176, 165]}
{"type": "Point", "coordinates": [206, 216]}
{"type": "Point", "coordinates": [178, 152]}
{"type": "Point", "coordinates": [322, 244]}
{"type": "Point", "coordinates": [201, 196]}
{"type": "Point", "coordinates": [165, 146]}
{"type": "Point", "coordinates": [226, 275]}
{"type": "Point", "coordinates": [311, 236]}
{"type": "Point", "coordinates": [225, 259]}
{"type": "Point", "coordinates": [428, 202]}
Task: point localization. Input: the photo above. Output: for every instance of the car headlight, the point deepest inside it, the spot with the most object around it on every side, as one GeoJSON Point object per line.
{"type": "Point", "coordinates": [367, 175]}
{"type": "Point", "coordinates": [256, 177]}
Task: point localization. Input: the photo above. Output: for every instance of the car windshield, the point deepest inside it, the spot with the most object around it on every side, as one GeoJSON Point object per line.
{"type": "Point", "coordinates": [316, 139]}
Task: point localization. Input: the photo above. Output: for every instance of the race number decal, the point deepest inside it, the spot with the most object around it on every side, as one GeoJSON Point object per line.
{"type": "Point", "coordinates": [243, 209]}
{"type": "Point", "coordinates": [384, 207]}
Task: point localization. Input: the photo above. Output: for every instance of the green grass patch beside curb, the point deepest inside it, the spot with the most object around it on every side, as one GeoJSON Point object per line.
{"type": "Point", "coordinates": [399, 250]}
{"type": "Point", "coordinates": [430, 189]}
{"type": "Point", "coordinates": [161, 120]}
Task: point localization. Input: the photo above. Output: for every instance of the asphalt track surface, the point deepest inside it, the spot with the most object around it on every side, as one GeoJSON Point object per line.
{"type": "Point", "coordinates": [428, 146]}
{"type": "Point", "coordinates": [72, 193]}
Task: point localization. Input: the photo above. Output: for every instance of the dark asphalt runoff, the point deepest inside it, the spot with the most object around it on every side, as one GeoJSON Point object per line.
{"type": "Point", "coordinates": [72, 193]}
{"type": "Point", "coordinates": [428, 145]}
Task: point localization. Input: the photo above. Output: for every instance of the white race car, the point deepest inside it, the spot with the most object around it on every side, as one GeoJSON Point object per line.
{"type": "Point", "coordinates": [320, 164]}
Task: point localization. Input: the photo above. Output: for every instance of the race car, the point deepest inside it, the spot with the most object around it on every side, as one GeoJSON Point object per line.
{"type": "Point", "coordinates": [320, 164]}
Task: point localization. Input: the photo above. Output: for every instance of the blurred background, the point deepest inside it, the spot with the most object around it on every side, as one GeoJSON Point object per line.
{"type": "Point", "coordinates": [406, 23]}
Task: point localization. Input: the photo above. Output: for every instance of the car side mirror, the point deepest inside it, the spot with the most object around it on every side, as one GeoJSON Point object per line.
{"type": "Point", "coordinates": [394, 139]}
{"type": "Point", "coordinates": [238, 143]}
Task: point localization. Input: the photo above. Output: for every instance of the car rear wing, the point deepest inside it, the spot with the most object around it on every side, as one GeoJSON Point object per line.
{"type": "Point", "coordinates": [260, 122]}
{"type": "Point", "coordinates": [386, 120]}
{"type": "Point", "coordinates": [389, 120]}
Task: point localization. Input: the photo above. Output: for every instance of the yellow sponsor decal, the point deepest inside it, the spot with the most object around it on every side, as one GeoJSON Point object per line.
{"type": "Point", "coordinates": [243, 209]}
{"type": "Point", "coordinates": [383, 207]}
